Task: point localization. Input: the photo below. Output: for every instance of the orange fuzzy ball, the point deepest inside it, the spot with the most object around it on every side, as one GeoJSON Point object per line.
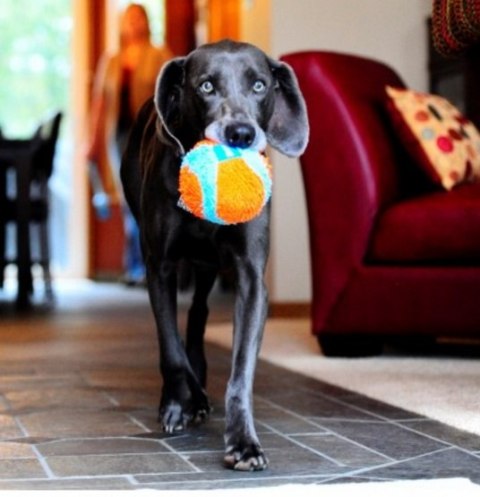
{"type": "Point", "coordinates": [224, 185]}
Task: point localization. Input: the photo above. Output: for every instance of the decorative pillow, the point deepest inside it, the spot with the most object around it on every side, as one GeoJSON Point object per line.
{"type": "Point", "coordinates": [444, 142]}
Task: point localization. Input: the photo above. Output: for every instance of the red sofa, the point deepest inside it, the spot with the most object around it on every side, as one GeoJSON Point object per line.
{"type": "Point", "coordinates": [392, 255]}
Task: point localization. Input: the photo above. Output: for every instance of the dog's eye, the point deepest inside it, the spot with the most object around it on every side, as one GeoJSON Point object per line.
{"type": "Point", "coordinates": [259, 86]}
{"type": "Point", "coordinates": [207, 87]}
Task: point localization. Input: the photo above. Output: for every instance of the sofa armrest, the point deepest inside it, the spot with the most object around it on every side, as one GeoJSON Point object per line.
{"type": "Point", "coordinates": [349, 167]}
{"type": "Point", "coordinates": [342, 207]}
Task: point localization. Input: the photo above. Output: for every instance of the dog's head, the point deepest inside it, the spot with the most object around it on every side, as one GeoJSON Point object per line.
{"type": "Point", "coordinates": [234, 94]}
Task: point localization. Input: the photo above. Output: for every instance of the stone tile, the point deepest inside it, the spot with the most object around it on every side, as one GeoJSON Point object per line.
{"type": "Point", "coordinates": [459, 438]}
{"type": "Point", "coordinates": [16, 368]}
{"type": "Point", "coordinates": [316, 406]}
{"type": "Point", "coordinates": [206, 462]}
{"type": "Point", "coordinates": [147, 418]}
{"type": "Point", "coordinates": [281, 453]}
{"type": "Point", "coordinates": [4, 407]}
{"type": "Point", "coordinates": [35, 381]}
{"type": "Point", "coordinates": [373, 406]}
{"type": "Point", "coordinates": [30, 440]}
{"type": "Point", "coordinates": [136, 398]}
{"type": "Point", "coordinates": [24, 400]}
{"type": "Point", "coordinates": [125, 378]}
{"type": "Point", "coordinates": [78, 424]}
{"type": "Point", "coordinates": [275, 441]}
{"type": "Point", "coordinates": [69, 484]}
{"type": "Point", "coordinates": [99, 465]}
{"type": "Point", "coordinates": [15, 450]}
{"type": "Point", "coordinates": [227, 480]}
{"type": "Point", "coordinates": [388, 439]}
{"type": "Point", "coordinates": [206, 436]}
{"type": "Point", "coordinates": [344, 452]}
{"type": "Point", "coordinates": [20, 468]}
{"type": "Point", "coordinates": [353, 479]}
{"type": "Point", "coordinates": [284, 422]}
{"type": "Point", "coordinates": [9, 428]}
{"type": "Point", "coordinates": [99, 446]}
{"type": "Point", "coordinates": [449, 463]}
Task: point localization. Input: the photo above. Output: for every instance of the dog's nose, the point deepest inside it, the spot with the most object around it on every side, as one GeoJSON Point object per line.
{"type": "Point", "coordinates": [240, 135]}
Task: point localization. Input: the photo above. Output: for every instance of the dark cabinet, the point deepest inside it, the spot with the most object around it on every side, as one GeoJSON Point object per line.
{"type": "Point", "coordinates": [457, 79]}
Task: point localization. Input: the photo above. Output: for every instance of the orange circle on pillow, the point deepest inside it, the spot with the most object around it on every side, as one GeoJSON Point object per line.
{"type": "Point", "coordinates": [422, 116]}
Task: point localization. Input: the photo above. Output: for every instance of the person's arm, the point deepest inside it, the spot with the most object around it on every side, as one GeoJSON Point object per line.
{"type": "Point", "coordinates": [97, 112]}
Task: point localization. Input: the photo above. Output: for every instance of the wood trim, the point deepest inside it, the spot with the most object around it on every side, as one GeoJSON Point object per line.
{"type": "Point", "coordinates": [289, 309]}
{"type": "Point", "coordinates": [96, 28]}
{"type": "Point", "coordinates": [180, 26]}
{"type": "Point", "coordinates": [224, 19]}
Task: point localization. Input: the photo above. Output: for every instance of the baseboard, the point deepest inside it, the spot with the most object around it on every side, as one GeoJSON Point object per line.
{"type": "Point", "coordinates": [289, 309]}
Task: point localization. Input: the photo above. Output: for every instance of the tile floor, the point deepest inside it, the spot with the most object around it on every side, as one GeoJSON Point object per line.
{"type": "Point", "coordinates": [78, 404]}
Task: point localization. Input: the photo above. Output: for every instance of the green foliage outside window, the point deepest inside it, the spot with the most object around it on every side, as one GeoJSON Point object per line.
{"type": "Point", "coordinates": [35, 62]}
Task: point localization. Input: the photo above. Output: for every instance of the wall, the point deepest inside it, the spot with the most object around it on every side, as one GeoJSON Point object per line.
{"type": "Point", "coordinates": [393, 31]}
{"type": "Point", "coordinates": [256, 22]}
{"type": "Point", "coordinates": [78, 238]}
{"type": "Point", "coordinates": [389, 30]}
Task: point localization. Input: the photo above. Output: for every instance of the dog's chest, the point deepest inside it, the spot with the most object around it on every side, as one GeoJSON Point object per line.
{"type": "Point", "coordinates": [200, 242]}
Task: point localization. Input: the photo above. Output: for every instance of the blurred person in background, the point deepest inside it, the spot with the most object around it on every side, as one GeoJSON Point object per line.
{"type": "Point", "coordinates": [123, 82]}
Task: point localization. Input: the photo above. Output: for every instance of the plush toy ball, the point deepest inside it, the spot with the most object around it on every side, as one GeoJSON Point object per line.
{"type": "Point", "coordinates": [224, 185]}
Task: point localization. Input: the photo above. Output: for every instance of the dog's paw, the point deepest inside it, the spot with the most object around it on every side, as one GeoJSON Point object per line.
{"type": "Point", "coordinates": [173, 417]}
{"type": "Point", "coordinates": [248, 458]}
{"type": "Point", "coordinates": [201, 415]}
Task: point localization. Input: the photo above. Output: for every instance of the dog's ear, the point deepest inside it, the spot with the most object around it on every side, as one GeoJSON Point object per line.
{"type": "Point", "coordinates": [168, 96]}
{"type": "Point", "coordinates": [288, 128]}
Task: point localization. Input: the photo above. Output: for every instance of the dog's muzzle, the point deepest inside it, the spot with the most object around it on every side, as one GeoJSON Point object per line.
{"type": "Point", "coordinates": [238, 134]}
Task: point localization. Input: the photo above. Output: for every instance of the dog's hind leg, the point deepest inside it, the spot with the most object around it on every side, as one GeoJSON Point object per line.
{"type": "Point", "coordinates": [197, 320]}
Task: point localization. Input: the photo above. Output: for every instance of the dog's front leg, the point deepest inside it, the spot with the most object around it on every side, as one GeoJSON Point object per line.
{"type": "Point", "coordinates": [243, 450]}
{"type": "Point", "coordinates": [182, 397]}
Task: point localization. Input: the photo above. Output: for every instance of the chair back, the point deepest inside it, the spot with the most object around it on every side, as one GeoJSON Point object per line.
{"type": "Point", "coordinates": [45, 140]}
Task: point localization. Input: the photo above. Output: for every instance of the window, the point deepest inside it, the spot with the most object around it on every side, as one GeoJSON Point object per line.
{"type": "Point", "coordinates": [35, 68]}
{"type": "Point", "coordinates": [35, 62]}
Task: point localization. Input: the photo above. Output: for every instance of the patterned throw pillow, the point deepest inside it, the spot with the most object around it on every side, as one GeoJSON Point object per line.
{"type": "Point", "coordinates": [440, 138]}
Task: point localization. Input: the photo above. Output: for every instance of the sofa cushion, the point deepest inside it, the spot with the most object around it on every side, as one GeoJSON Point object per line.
{"type": "Point", "coordinates": [439, 137]}
{"type": "Point", "coordinates": [440, 227]}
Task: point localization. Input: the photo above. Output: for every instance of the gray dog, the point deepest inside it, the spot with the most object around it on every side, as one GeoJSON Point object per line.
{"type": "Point", "coordinates": [234, 94]}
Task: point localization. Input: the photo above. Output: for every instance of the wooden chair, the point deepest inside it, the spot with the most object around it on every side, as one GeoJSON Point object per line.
{"type": "Point", "coordinates": [26, 203]}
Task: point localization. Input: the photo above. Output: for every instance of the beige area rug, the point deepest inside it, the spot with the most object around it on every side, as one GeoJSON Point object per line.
{"type": "Point", "coordinates": [442, 388]}
{"type": "Point", "coordinates": [418, 488]}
